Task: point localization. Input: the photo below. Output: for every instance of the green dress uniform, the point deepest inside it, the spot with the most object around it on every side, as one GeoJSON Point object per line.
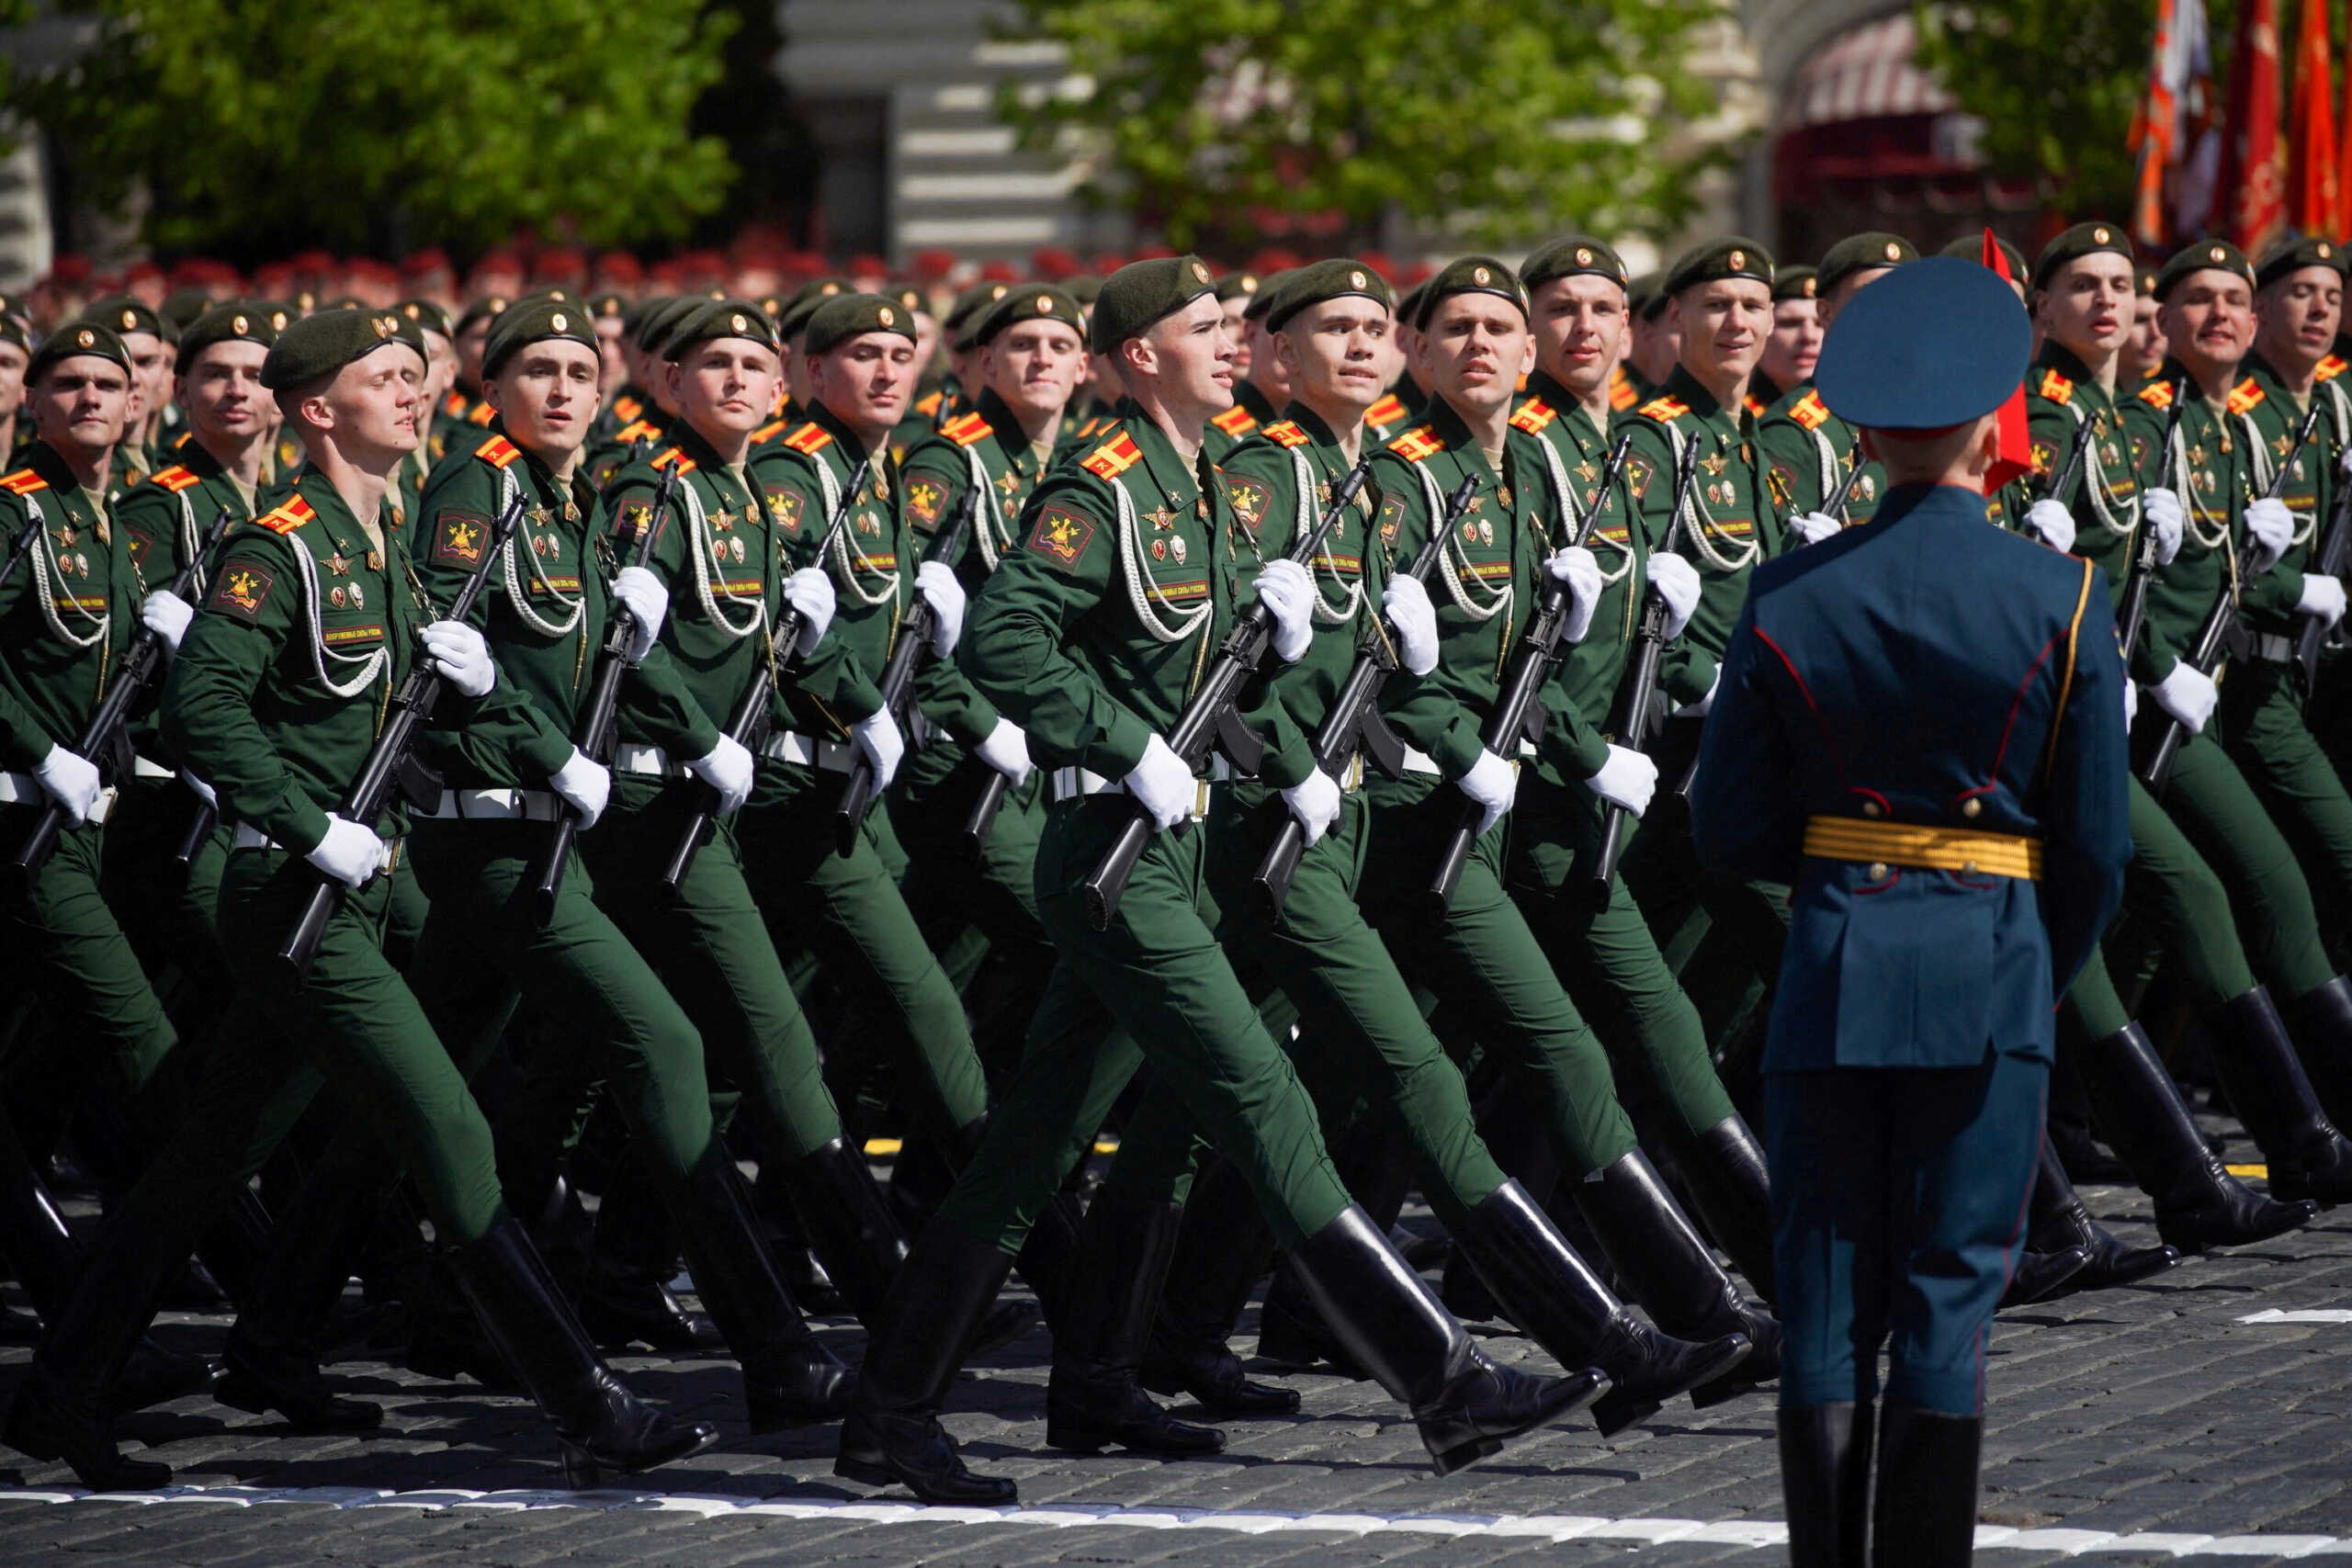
{"type": "Point", "coordinates": [1812, 451]}
{"type": "Point", "coordinates": [849, 908]}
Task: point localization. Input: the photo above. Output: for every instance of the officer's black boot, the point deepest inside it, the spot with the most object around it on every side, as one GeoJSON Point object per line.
{"type": "Point", "coordinates": [2060, 1220]}
{"type": "Point", "coordinates": [2040, 1276]}
{"type": "Point", "coordinates": [2198, 1204]}
{"type": "Point", "coordinates": [892, 1435]}
{"type": "Point", "coordinates": [626, 1298]}
{"type": "Point", "coordinates": [1723, 1170]}
{"type": "Point", "coordinates": [2257, 1063]}
{"type": "Point", "coordinates": [1379, 1174]}
{"type": "Point", "coordinates": [1544, 1287]}
{"type": "Point", "coordinates": [2323, 1038]}
{"type": "Point", "coordinates": [600, 1424]}
{"type": "Point", "coordinates": [790, 1380]}
{"type": "Point", "coordinates": [1094, 1399]}
{"type": "Point", "coordinates": [270, 1361]}
{"type": "Point", "coordinates": [1825, 1483]}
{"type": "Point", "coordinates": [1925, 1512]}
{"type": "Point", "coordinates": [1392, 1325]}
{"type": "Point", "coordinates": [1673, 1274]}
{"type": "Point", "coordinates": [1052, 1241]}
{"type": "Point", "coordinates": [850, 1226]}
{"type": "Point", "coordinates": [1223, 1249]}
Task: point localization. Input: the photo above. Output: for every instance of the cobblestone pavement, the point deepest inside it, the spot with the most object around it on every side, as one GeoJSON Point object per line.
{"type": "Point", "coordinates": [2137, 1426]}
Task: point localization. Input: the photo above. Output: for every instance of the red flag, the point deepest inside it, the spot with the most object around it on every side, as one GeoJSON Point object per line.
{"type": "Point", "coordinates": [2314, 184]}
{"type": "Point", "coordinates": [2155, 127]}
{"type": "Point", "coordinates": [2253, 177]}
{"type": "Point", "coordinates": [2344, 164]}
{"type": "Point", "coordinates": [2017, 445]}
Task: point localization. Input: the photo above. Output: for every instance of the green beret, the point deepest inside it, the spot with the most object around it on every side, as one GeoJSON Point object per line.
{"type": "Point", "coordinates": [963, 317]}
{"type": "Point", "coordinates": [1731, 256]}
{"type": "Point", "coordinates": [1644, 297]}
{"type": "Point", "coordinates": [1971, 247]}
{"type": "Point", "coordinates": [1796, 283]}
{"type": "Point", "coordinates": [1471, 275]}
{"type": "Point", "coordinates": [318, 346]}
{"type": "Point", "coordinates": [2144, 282]}
{"type": "Point", "coordinates": [1085, 288]}
{"type": "Point", "coordinates": [276, 312]}
{"type": "Point", "coordinates": [1269, 295]}
{"type": "Point", "coordinates": [74, 340]}
{"type": "Point", "coordinates": [1862, 253]}
{"type": "Point", "coordinates": [126, 314]}
{"type": "Point", "coordinates": [224, 323]}
{"type": "Point", "coordinates": [428, 315]}
{"type": "Point", "coordinates": [1142, 294]}
{"type": "Point", "coordinates": [662, 319]}
{"type": "Point", "coordinates": [910, 296]}
{"type": "Point", "coordinates": [1409, 307]}
{"type": "Point", "coordinates": [1339, 279]}
{"type": "Point", "coordinates": [2204, 255]}
{"type": "Point", "coordinates": [846, 316]}
{"type": "Point", "coordinates": [1573, 255]}
{"type": "Point", "coordinates": [489, 307]}
{"type": "Point", "coordinates": [1030, 302]}
{"type": "Point", "coordinates": [794, 317]}
{"type": "Point", "coordinates": [12, 330]}
{"type": "Point", "coordinates": [1237, 285]}
{"type": "Point", "coordinates": [535, 321]}
{"type": "Point", "coordinates": [182, 305]}
{"type": "Point", "coordinates": [706, 320]}
{"type": "Point", "coordinates": [2293, 256]}
{"type": "Point", "coordinates": [608, 303]}
{"type": "Point", "coordinates": [2072, 244]}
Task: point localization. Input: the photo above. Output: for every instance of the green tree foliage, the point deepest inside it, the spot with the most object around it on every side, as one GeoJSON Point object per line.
{"type": "Point", "coordinates": [1501, 119]}
{"type": "Point", "coordinates": [256, 125]}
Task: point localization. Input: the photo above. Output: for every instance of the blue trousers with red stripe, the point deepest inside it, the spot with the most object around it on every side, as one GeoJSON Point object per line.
{"type": "Point", "coordinates": [1898, 1207]}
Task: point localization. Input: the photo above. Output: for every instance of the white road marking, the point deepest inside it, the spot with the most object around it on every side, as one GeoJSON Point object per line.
{"type": "Point", "coordinates": [2327, 1314]}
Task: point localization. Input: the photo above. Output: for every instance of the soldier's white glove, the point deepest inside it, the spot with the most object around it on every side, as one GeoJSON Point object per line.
{"type": "Point", "coordinates": [937, 582]}
{"type": "Point", "coordinates": [1627, 779]}
{"type": "Point", "coordinates": [2050, 522]}
{"type": "Point", "coordinates": [1007, 751]}
{"type": "Point", "coordinates": [2322, 599]}
{"type": "Point", "coordinates": [729, 771]}
{"type": "Point", "coordinates": [1161, 784]}
{"type": "Point", "coordinates": [349, 853]}
{"type": "Point", "coordinates": [2272, 528]}
{"type": "Point", "coordinates": [204, 791]}
{"type": "Point", "coordinates": [1675, 580]}
{"type": "Point", "coordinates": [458, 652]}
{"type": "Point", "coordinates": [2130, 703]}
{"type": "Point", "coordinates": [1699, 709]}
{"type": "Point", "coordinates": [2187, 694]}
{"type": "Point", "coordinates": [586, 783]}
{"type": "Point", "coordinates": [648, 604]}
{"type": "Point", "coordinates": [877, 736]}
{"type": "Point", "coordinates": [1574, 567]}
{"type": "Point", "coordinates": [1315, 801]}
{"type": "Point", "coordinates": [71, 781]}
{"type": "Point", "coordinates": [1413, 619]}
{"type": "Point", "coordinates": [1493, 784]}
{"type": "Point", "coordinates": [166, 614]}
{"type": "Point", "coordinates": [1286, 591]}
{"type": "Point", "coordinates": [809, 592]}
{"type": "Point", "coordinates": [1812, 527]}
{"type": "Point", "coordinates": [2160, 512]}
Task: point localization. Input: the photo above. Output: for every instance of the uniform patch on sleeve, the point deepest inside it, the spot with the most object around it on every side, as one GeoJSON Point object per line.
{"type": "Point", "coordinates": [1251, 497]}
{"type": "Point", "coordinates": [141, 544]}
{"type": "Point", "coordinates": [1390, 518]}
{"type": "Point", "coordinates": [783, 510]}
{"type": "Point", "coordinates": [242, 588]}
{"type": "Point", "coordinates": [1061, 536]}
{"type": "Point", "coordinates": [1639, 471]}
{"type": "Point", "coordinates": [460, 538]}
{"type": "Point", "coordinates": [1781, 480]}
{"type": "Point", "coordinates": [926, 498]}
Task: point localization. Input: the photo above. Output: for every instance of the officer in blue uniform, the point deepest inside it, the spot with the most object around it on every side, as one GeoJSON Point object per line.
{"type": "Point", "coordinates": [1920, 729]}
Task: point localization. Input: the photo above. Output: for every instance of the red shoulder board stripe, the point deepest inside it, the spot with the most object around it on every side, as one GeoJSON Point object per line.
{"type": "Point", "coordinates": [636, 428]}
{"type": "Point", "coordinates": [1623, 394]}
{"type": "Point", "coordinates": [481, 415]}
{"type": "Point", "coordinates": [810, 438]}
{"type": "Point", "coordinates": [627, 409]}
{"type": "Point", "coordinates": [767, 433]}
{"type": "Point", "coordinates": [1755, 405]}
{"type": "Point", "coordinates": [24, 481]}
{"type": "Point", "coordinates": [675, 458]}
{"type": "Point", "coordinates": [2245, 395]}
{"type": "Point", "coordinates": [453, 402]}
{"type": "Point", "coordinates": [965, 429]}
{"type": "Point", "coordinates": [1534, 415]}
{"type": "Point", "coordinates": [1810, 411]}
{"type": "Point", "coordinates": [1665, 409]}
{"type": "Point", "coordinates": [1235, 421]}
{"type": "Point", "coordinates": [498, 452]}
{"type": "Point", "coordinates": [2056, 388]}
{"type": "Point", "coordinates": [176, 479]}
{"type": "Point", "coordinates": [2329, 368]}
{"type": "Point", "coordinates": [1114, 456]}
{"type": "Point", "coordinates": [1287, 432]}
{"type": "Point", "coordinates": [2155, 394]}
{"type": "Point", "coordinates": [288, 517]}
{"type": "Point", "coordinates": [929, 406]}
{"type": "Point", "coordinates": [1417, 444]}
{"type": "Point", "coordinates": [1387, 410]}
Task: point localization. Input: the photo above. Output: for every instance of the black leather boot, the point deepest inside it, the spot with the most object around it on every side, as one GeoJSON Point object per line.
{"type": "Point", "coordinates": [1391, 1323]}
{"type": "Point", "coordinates": [2060, 1220]}
{"type": "Point", "coordinates": [790, 1380]}
{"type": "Point", "coordinates": [1673, 1274]}
{"type": "Point", "coordinates": [1373, 1166]}
{"type": "Point", "coordinates": [1094, 1399]}
{"type": "Point", "coordinates": [892, 1435]}
{"type": "Point", "coordinates": [2257, 1063]}
{"type": "Point", "coordinates": [1825, 1483]}
{"type": "Point", "coordinates": [1924, 1514]}
{"type": "Point", "coordinates": [599, 1423]}
{"type": "Point", "coordinates": [2198, 1204]}
{"type": "Point", "coordinates": [2324, 1039]}
{"type": "Point", "coordinates": [1223, 1248]}
{"type": "Point", "coordinates": [269, 1363]}
{"type": "Point", "coordinates": [2040, 1276]}
{"type": "Point", "coordinates": [1052, 1243]}
{"type": "Point", "coordinates": [1544, 1287]}
{"type": "Point", "coordinates": [1723, 1169]}
{"type": "Point", "coordinates": [627, 1299]}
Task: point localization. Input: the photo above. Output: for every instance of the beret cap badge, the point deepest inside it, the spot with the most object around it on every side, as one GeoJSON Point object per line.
{"type": "Point", "coordinates": [86, 337]}
{"type": "Point", "coordinates": [738, 323]}
{"type": "Point", "coordinates": [239, 325]}
{"type": "Point", "coordinates": [1740, 261]}
{"type": "Point", "coordinates": [558, 322]}
{"type": "Point", "coordinates": [886, 316]}
{"type": "Point", "coordinates": [1200, 272]}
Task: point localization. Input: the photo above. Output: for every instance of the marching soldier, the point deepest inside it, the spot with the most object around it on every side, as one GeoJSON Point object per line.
{"type": "Point", "coordinates": [1795, 342]}
{"type": "Point", "coordinates": [1812, 450]}
{"type": "Point", "coordinates": [148, 339]}
{"type": "Point", "coordinates": [15, 354]}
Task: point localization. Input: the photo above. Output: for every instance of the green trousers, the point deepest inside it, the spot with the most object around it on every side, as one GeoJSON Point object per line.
{"type": "Point", "coordinates": [1489, 974]}
{"type": "Point", "coordinates": [850, 911]}
{"type": "Point", "coordinates": [166, 911]}
{"type": "Point", "coordinates": [2222, 816]}
{"type": "Point", "coordinates": [1601, 948]}
{"type": "Point", "coordinates": [1682, 900]}
{"type": "Point", "coordinates": [1158, 974]}
{"type": "Point", "coordinates": [2264, 731]}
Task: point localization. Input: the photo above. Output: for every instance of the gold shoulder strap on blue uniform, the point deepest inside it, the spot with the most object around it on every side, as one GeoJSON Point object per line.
{"type": "Point", "coordinates": [2067, 681]}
